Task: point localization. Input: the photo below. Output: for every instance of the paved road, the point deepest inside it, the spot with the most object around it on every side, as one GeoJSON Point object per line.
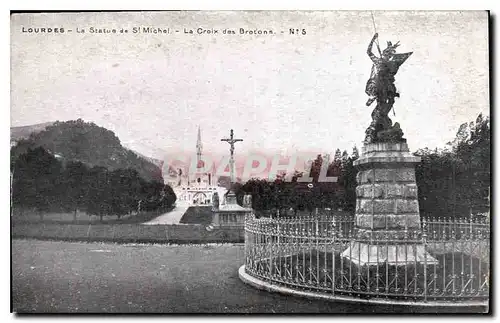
{"type": "Point", "coordinates": [172, 217]}
{"type": "Point", "coordinates": [62, 277]}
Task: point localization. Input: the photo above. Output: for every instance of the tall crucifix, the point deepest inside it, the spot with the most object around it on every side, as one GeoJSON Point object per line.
{"type": "Point", "coordinates": [231, 142]}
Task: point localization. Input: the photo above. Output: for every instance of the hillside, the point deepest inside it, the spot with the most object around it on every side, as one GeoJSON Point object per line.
{"type": "Point", "coordinates": [23, 132]}
{"type": "Point", "coordinates": [152, 160]}
{"type": "Point", "coordinates": [85, 142]}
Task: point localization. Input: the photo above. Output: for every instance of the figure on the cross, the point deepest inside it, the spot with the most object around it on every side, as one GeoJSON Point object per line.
{"type": "Point", "coordinates": [231, 142]}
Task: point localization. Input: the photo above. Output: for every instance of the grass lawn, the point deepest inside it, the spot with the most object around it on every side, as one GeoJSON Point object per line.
{"type": "Point", "coordinates": [198, 215]}
{"type": "Point", "coordinates": [65, 277]}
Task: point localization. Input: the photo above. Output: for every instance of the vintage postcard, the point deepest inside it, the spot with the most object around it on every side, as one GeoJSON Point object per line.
{"type": "Point", "coordinates": [250, 162]}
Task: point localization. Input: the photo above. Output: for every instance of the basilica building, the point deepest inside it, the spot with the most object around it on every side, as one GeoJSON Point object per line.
{"type": "Point", "coordinates": [196, 187]}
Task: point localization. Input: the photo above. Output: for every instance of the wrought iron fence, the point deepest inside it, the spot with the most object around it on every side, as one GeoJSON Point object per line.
{"type": "Point", "coordinates": [306, 253]}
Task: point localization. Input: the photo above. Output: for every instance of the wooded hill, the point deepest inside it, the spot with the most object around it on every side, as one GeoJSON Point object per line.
{"type": "Point", "coordinates": [85, 142]}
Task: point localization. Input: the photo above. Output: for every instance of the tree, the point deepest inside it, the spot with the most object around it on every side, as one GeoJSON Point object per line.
{"type": "Point", "coordinates": [76, 186]}
{"type": "Point", "coordinates": [338, 155]}
{"type": "Point", "coordinates": [261, 191]}
{"type": "Point", "coordinates": [99, 195]}
{"type": "Point", "coordinates": [125, 188]}
{"type": "Point", "coordinates": [169, 197]}
{"type": "Point", "coordinates": [345, 158]}
{"type": "Point", "coordinates": [36, 180]}
{"type": "Point", "coordinates": [349, 183]}
{"type": "Point", "coordinates": [155, 196]}
{"type": "Point", "coordinates": [355, 153]}
{"type": "Point", "coordinates": [316, 168]}
{"type": "Point", "coordinates": [475, 158]}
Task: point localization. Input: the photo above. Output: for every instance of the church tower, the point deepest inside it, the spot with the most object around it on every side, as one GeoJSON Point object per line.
{"type": "Point", "coordinates": [201, 178]}
{"type": "Point", "coordinates": [201, 184]}
{"type": "Point", "coordinates": [199, 149]}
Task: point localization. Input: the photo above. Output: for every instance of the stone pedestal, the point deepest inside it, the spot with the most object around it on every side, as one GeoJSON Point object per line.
{"type": "Point", "coordinates": [387, 212]}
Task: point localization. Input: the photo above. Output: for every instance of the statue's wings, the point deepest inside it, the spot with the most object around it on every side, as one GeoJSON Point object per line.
{"type": "Point", "coordinates": [399, 59]}
{"type": "Point", "coordinates": [396, 61]}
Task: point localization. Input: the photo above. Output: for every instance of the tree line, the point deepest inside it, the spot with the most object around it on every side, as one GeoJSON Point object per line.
{"type": "Point", "coordinates": [45, 183]}
{"type": "Point", "coordinates": [452, 182]}
{"type": "Point", "coordinates": [455, 181]}
{"type": "Point", "coordinates": [280, 195]}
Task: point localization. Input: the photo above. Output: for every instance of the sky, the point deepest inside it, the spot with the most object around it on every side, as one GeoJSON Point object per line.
{"type": "Point", "coordinates": [280, 93]}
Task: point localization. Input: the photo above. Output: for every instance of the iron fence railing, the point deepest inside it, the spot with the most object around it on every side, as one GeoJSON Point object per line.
{"type": "Point", "coordinates": [305, 252]}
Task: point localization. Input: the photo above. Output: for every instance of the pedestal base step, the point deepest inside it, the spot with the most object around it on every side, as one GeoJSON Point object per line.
{"type": "Point", "coordinates": [363, 254]}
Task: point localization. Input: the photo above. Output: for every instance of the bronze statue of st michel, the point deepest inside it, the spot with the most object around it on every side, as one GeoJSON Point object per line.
{"type": "Point", "coordinates": [380, 88]}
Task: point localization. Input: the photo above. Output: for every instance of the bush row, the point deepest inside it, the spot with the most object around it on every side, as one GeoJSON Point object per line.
{"type": "Point", "coordinates": [127, 233]}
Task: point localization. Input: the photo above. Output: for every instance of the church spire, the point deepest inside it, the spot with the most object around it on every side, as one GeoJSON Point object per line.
{"type": "Point", "coordinates": [199, 147]}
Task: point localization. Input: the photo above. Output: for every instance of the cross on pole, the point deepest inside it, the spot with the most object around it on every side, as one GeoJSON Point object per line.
{"type": "Point", "coordinates": [231, 142]}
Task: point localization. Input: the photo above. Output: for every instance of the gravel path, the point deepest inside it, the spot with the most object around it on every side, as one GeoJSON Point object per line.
{"type": "Point", "coordinates": [65, 277]}
{"type": "Point", "coordinates": [172, 217]}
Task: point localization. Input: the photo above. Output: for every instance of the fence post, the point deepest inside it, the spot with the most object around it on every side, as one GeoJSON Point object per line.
{"type": "Point", "coordinates": [333, 252]}
{"type": "Point", "coordinates": [424, 237]}
{"type": "Point", "coordinates": [317, 248]}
